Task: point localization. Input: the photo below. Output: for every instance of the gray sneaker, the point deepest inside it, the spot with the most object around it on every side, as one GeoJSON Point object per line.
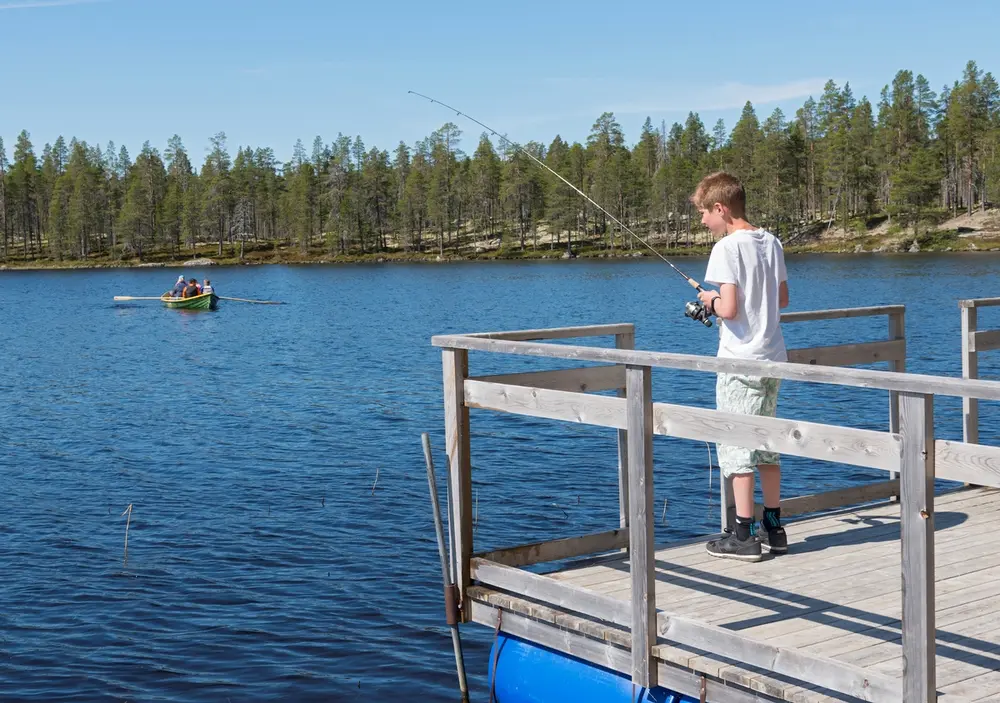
{"type": "Point", "coordinates": [774, 541]}
{"type": "Point", "coordinates": [729, 547]}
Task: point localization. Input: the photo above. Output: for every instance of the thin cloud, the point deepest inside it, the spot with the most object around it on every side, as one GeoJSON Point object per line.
{"type": "Point", "coordinates": [28, 4]}
{"type": "Point", "coordinates": [732, 96]}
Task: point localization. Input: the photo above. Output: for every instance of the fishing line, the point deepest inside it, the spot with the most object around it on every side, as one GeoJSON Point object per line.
{"type": "Point", "coordinates": [694, 310]}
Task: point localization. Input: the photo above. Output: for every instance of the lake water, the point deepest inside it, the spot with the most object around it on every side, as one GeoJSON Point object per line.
{"type": "Point", "coordinates": [261, 564]}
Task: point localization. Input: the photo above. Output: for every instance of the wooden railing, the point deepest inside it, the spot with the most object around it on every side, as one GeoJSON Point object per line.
{"type": "Point", "coordinates": [891, 350]}
{"type": "Point", "coordinates": [911, 451]}
{"type": "Point", "coordinates": [974, 340]}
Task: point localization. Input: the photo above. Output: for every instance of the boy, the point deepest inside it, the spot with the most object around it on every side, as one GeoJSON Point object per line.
{"type": "Point", "coordinates": [748, 265]}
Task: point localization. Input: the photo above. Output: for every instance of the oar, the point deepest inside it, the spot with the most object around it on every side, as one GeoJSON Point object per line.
{"type": "Point", "coordinates": [135, 297]}
{"type": "Point", "coordinates": [258, 302]}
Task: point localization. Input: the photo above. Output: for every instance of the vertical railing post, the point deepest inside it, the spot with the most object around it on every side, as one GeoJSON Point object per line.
{"type": "Point", "coordinates": [625, 340]}
{"type": "Point", "coordinates": [917, 534]}
{"type": "Point", "coordinates": [970, 369]}
{"type": "Point", "coordinates": [455, 364]}
{"type": "Point", "coordinates": [897, 331]}
{"type": "Point", "coordinates": [639, 422]}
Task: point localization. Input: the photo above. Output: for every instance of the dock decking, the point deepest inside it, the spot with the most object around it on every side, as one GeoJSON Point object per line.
{"type": "Point", "coordinates": [886, 603]}
{"type": "Point", "coordinates": [836, 594]}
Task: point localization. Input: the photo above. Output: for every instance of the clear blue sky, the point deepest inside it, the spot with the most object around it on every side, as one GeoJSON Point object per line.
{"type": "Point", "coordinates": [267, 73]}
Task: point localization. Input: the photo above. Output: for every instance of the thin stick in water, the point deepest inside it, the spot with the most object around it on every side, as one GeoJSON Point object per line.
{"type": "Point", "coordinates": [663, 518]}
{"type": "Point", "coordinates": [376, 481]}
{"type": "Point", "coordinates": [445, 567]}
{"type": "Point", "coordinates": [128, 521]}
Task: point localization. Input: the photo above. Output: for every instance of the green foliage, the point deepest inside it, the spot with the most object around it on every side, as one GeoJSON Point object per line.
{"type": "Point", "coordinates": [915, 156]}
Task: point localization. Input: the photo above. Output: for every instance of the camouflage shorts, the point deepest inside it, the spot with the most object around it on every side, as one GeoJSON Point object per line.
{"type": "Point", "coordinates": [747, 395]}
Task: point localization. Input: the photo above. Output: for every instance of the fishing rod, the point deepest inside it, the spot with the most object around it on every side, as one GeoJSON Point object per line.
{"type": "Point", "coordinates": [696, 310]}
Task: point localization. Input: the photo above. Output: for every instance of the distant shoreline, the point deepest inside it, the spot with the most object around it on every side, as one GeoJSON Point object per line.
{"type": "Point", "coordinates": [411, 258]}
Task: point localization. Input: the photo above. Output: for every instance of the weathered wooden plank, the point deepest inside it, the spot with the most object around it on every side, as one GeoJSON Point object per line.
{"type": "Point", "coordinates": [586, 379]}
{"type": "Point", "coordinates": [855, 535]}
{"type": "Point", "coordinates": [623, 341]}
{"type": "Point", "coordinates": [810, 591]}
{"type": "Point", "coordinates": [849, 354]}
{"type": "Point", "coordinates": [835, 499]}
{"type": "Point", "coordinates": [873, 606]}
{"type": "Point", "coordinates": [733, 601]}
{"type": "Point", "coordinates": [455, 364]}
{"type": "Point", "coordinates": [876, 534]}
{"type": "Point", "coordinates": [870, 647]}
{"type": "Point", "coordinates": [819, 671]}
{"type": "Point", "coordinates": [984, 687]}
{"type": "Point", "coordinates": [853, 576]}
{"type": "Point", "coordinates": [606, 654]}
{"type": "Point", "coordinates": [691, 633]}
{"type": "Point", "coordinates": [548, 590]}
{"type": "Point", "coordinates": [847, 445]}
{"type": "Point", "coordinates": [691, 552]}
{"type": "Point", "coordinates": [554, 550]}
{"type": "Point", "coordinates": [841, 313]}
{"type": "Point", "coordinates": [859, 378]}
{"type": "Point", "coordinates": [642, 557]}
{"type": "Point", "coordinates": [977, 464]}
{"type": "Point", "coordinates": [979, 302]}
{"type": "Point", "coordinates": [800, 603]}
{"type": "Point", "coordinates": [970, 370]}
{"type": "Point", "coordinates": [511, 605]}
{"type": "Point", "coordinates": [972, 638]}
{"type": "Point", "coordinates": [916, 416]}
{"type": "Point", "coordinates": [984, 340]}
{"type": "Point", "coordinates": [866, 614]}
{"type": "Point", "coordinates": [559, 332]}
{"type": "Point", "coordinates": [583, 408]}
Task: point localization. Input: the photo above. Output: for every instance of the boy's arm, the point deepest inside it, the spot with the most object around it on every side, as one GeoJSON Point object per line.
{"type": "Point", "coordinates": [721, 270]}
{"type": "Point", "coordinates": [782, 278]}
{"type": "Point", "coordinates": [725, 303]}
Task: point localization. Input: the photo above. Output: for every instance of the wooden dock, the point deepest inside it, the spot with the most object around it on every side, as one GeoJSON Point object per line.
{"type": "Point", "coordinates": [837, 594]}
{"type": "Point", "coordinates": [893, 601]}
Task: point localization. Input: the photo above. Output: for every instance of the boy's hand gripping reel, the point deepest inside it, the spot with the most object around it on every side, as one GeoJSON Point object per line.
{"type": "Point", "coordinates": [695, 309]}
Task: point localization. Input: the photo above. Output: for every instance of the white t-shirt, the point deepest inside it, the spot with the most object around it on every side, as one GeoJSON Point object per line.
{"type": "Point", "coordinates": [755, 262]}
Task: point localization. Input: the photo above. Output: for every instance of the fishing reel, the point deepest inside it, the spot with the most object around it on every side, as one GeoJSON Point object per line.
{"type": "Point", "coordinates": [697, 311]}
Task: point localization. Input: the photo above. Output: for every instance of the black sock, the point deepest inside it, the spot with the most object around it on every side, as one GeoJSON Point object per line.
{"type": "Point", "coordinates": [743, 525]}
{"type": "Point", "coordinates": [772, 518]}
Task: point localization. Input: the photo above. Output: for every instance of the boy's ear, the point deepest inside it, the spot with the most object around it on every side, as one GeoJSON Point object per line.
{"type": "Point", "coordinates": [720, 209]}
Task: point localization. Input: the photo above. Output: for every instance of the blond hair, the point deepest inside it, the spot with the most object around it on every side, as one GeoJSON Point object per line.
{"type": "Point", "coordinates": [723, 188]}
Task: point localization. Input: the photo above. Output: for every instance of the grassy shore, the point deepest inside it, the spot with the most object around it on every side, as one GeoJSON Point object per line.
{"type": "Point", "coordinates": [981, 232]}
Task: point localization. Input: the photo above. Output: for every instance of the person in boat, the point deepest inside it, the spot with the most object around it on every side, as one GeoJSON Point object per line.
{"type": "Point", "coordinates": [178, 289]}
{"type": "Point", "coordinates": [192, 289]}
{"type": "Point", "coordinates": [207, 287]}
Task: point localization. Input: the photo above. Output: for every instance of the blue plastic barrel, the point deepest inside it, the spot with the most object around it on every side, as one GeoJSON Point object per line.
{"type": "Point", "coordinates": [529, 673]}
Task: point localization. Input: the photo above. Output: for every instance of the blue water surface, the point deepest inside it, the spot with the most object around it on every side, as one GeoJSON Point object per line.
{"type": "Point", "coordinates": [264, 561]}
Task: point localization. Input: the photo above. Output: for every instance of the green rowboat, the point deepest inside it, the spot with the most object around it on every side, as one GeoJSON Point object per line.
{"type": "Point", "coordinates": [205, 301]}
